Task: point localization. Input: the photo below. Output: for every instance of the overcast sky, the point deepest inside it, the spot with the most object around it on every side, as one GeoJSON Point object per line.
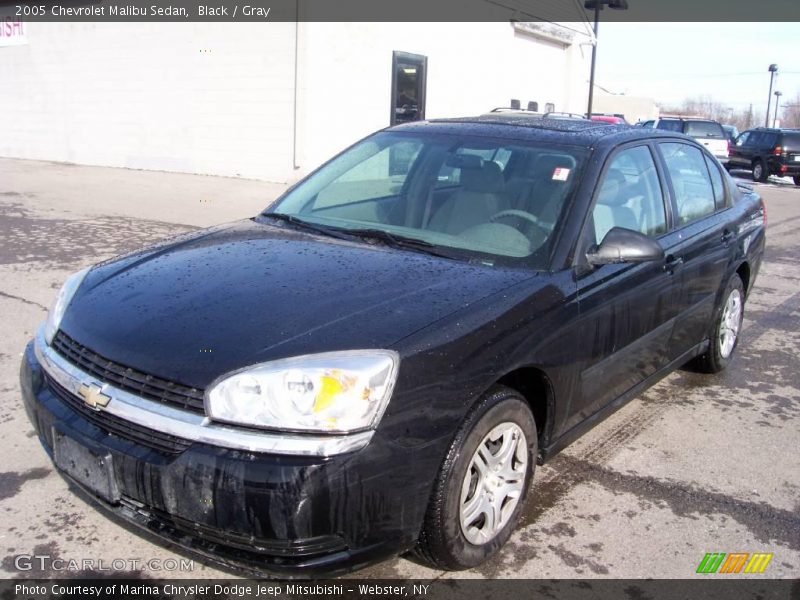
{"type": "Point", "coordinates": [673, 61]}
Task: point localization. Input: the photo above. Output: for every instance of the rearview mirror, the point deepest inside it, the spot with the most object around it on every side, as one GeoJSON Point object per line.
{"type": "Point", "coordinates": [625, 246]}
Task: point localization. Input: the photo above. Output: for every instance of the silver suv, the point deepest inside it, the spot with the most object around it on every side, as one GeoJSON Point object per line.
{"type": "Point", "coordinates": [707, 132]}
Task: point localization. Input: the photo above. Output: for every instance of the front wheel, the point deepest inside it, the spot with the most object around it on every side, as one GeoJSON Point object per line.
{"type": "Point", "coordinates": [482, 484]}
{"type": "Point", "coordinates": [726, 328]}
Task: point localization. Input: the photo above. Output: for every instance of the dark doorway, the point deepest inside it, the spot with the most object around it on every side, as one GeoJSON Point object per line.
{"type": "Point", "coordinates": [409, 75]}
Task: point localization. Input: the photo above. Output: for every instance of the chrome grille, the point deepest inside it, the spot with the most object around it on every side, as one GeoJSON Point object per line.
{"type": "Point", "coordinates": [128, 379]}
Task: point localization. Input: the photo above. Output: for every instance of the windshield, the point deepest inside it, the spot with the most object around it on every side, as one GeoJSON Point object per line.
{"type": "Point", "coordinates": [500, 202]}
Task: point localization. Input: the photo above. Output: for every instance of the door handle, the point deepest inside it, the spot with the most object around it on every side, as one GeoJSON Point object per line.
{"type": "Point", "coordinates": [727, 236]}
{"type": "Point", "coordinates": [672, 263]}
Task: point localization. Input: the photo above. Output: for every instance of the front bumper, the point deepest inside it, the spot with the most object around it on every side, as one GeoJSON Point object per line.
{"type": "Point", "coordinates": [270, 514]}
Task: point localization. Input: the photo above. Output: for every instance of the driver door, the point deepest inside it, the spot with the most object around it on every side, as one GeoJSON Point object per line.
{"type": "Point", "coordinates": [626, 311]}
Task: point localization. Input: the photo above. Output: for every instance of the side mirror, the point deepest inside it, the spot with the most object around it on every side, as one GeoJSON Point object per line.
{"type": "Point", "coordinates": [625, 246]}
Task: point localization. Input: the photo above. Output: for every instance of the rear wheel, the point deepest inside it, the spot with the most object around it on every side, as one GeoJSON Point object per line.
{"type": "Point", "coordinates": [760, 172]}
{"type": "Point", "coordinates": [725, 329]}
{"type": "Point", "coordinates": [481, 487]}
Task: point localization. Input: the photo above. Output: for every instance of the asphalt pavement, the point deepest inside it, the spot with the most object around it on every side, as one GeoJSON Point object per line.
{"type": "Point", "coordinates": [697, 464]}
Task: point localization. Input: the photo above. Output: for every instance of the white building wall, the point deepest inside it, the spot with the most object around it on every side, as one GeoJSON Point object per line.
{"type": "Point", "coordinates": [211, 98]}
{"type": "Point", "coordinates": [219, 98]}
{"type": "Point", "coordinates": [345, 76]}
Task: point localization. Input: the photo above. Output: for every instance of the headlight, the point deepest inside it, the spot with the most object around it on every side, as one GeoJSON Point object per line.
{"type": "Point", "coordinates": [59, 307]}
{"type": "Point", "coordinates": [338, 392]}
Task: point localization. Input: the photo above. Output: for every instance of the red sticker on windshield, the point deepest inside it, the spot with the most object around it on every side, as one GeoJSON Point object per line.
{"type": "Point", "coordinates": [560, 174]}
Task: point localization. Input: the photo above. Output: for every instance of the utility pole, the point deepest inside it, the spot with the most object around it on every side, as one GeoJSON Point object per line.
{"type": "Point", "coordinates": [777, 104]}
{"type": "Point", "coordinates": [772, 70]}
{"type": "Point", "coordinates": [597, 6]}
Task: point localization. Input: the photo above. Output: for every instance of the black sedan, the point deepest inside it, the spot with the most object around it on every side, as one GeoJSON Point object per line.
{"type": "Point", "coordinates": [376, 363]}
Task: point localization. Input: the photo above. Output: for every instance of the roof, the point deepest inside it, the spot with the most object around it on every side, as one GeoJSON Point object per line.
{"type": "Point", "coordinates": [528, 127]}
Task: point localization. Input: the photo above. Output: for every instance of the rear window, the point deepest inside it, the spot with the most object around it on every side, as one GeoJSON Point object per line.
{"type": "Point", "coordinates": [706, 129]}
{"type": "Point", "coordinates": [791, 141]}
{"type": "Point", "coordinates": [670, 125]}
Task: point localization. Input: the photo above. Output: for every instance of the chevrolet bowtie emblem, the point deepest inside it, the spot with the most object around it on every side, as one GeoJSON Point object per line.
{"type": "Point", "coordinates": [93, 396]}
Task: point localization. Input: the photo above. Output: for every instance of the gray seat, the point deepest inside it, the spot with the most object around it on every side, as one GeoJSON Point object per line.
{"type": "Point", "coordinates": [481, 196]}
{"type": "Point", "coordinates": [537, 191]}
{"type": "Point", "coordinates": [610, 210]}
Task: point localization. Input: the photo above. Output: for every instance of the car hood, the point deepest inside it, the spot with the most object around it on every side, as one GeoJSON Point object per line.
{"type": "Point", "coordinates": [201, 305]}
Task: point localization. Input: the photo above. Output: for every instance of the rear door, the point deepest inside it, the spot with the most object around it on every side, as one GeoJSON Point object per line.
{"type": "Point", "coordinates": [738, 149]}
{"type": "Point", "coordinates": [704, 246]}
{"type": "Point", "coordinates": [626, 310]}
{"type": "Point", "coordinates": [752, 147]}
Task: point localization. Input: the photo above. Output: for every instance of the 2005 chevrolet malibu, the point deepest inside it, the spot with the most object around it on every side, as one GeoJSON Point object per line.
{"type": "Point", "coordinates": [377, 362]}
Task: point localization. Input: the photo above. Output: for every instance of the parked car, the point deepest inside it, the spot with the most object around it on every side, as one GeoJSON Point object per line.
{"type": "Point", "coordinates": [765, 151]}
{"type": "Point", "coordinates": [707, 132]}
{"type": "Point", "coordinates": [377, 362]}
{"type": "Point", "coordinates": [613, 119]}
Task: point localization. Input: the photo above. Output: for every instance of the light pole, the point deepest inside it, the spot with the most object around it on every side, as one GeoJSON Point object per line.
{"type": "Point", "coordinates": [777, 103]}
{"type": "Point", "coordinates": [597, 6]}
{"type": "Point", "coordinates": [772, 70]}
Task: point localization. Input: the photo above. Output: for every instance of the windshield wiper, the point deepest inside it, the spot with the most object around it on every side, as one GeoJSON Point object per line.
{"type": "Point", "coordinates": [401, 241]}
{"type": "Point", "coordinates": [345, 233]}
{"type": "Point", "coordinates": [316, 228]}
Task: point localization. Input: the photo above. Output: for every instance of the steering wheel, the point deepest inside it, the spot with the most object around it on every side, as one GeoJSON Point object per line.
{"type": "Point", "coordinates": [536, 231]}
{"type": "Point", "coordinates": [520, 214]}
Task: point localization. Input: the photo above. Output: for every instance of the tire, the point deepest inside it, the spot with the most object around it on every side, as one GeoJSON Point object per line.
{"type": "Point", "coordinates": [449, 542]}
{"type": "Point", "coordinates": [796, 179]}
{"type": "Point", "coordinates": [726, 329]}
{"type": "Point", "coordinates": [760, 171]}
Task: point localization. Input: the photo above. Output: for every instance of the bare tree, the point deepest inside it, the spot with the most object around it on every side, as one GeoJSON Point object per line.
{"type": "Point", "coordinates": [791, 113]}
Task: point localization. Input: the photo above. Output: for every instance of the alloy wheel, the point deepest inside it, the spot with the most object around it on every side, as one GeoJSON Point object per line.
{"type": "Point", "coordinates": [493, 483]}
{"type": "Point", "coordinates": [730, 324]}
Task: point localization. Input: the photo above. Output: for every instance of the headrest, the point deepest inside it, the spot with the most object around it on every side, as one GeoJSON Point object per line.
{"type": "Point", "coordinates": [488, 178]}
{"type": "Point", "coordinates": [613, 183]}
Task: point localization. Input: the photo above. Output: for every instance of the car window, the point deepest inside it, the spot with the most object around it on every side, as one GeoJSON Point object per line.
{"type": "Point", "coordinates": [694, 194]}
{"type": "Point", "coordinates": [756, 139]}
{"type": "Point", "coordinates": [743, 139]}
{"type": "Point", "coordinates": [704, 129]}
{"type": "Point", "coordinates": [716, 182]}
{"type": "Point", "coordinates": [670, 125]}
{"type": "Point", "coordinates": [630, 195]}
{"type": "Point", "coordinates": [770, 140]}
{"type": "Point", "coordinates": [790, 142]}
{"type": "Point", "coordinates": [381, 175]}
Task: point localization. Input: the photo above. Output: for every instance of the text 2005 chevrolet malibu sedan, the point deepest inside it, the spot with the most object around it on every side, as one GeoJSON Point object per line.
{"type": "Point", "coordinates": [376, 363]}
